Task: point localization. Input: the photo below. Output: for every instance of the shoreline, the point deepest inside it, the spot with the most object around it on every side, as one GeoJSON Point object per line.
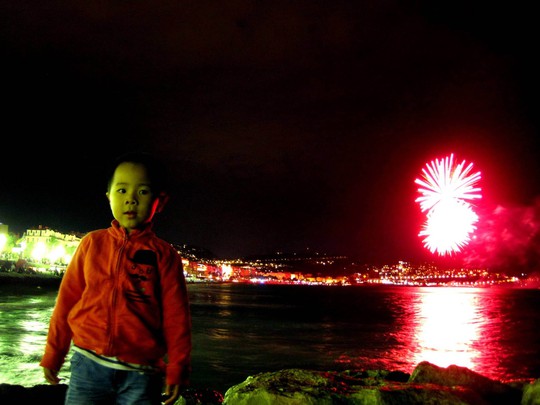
{"type": "Point", "coordinates": [53, 280]}
{"type": "Point", "coordinates": [426, 384]}
{"type": "Point", "coordinates": [48, 280]}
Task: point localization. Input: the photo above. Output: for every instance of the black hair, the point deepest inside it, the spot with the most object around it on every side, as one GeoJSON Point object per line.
{"type": "Point", "coordinates": [156, 170]}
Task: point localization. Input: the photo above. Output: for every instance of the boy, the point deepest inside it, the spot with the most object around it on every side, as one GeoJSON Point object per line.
{"type": "Point", "coordinates": [123, 302]}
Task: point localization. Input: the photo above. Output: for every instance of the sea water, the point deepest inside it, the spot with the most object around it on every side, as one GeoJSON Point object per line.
{"type": "Point", "coordinates": [243, 329]}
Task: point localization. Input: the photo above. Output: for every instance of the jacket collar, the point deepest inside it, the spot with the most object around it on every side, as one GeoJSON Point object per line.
{"type": "Point", "coordinates": [120, 232]}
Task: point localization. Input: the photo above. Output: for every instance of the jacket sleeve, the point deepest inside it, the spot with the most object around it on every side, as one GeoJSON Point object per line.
{"type": "Point", "coordinates": [69, 293]}
{"type": "Point", "coordinates": [176, 322]}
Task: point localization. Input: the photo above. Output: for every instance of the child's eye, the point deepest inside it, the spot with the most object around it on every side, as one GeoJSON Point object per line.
{"type": "Point", "coordinates": [121, 191]}
{"type": "Point", "coordinates": [144, 192]}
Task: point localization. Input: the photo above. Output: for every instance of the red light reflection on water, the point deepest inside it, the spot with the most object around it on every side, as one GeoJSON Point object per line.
{"type": "Point", "coordinates": [467, 327]}
{"type": "Point", "coordinates": [448, 325]}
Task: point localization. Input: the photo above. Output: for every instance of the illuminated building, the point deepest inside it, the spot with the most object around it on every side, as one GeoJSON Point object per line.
{"type": "Point", "coordinates": [46, 246]}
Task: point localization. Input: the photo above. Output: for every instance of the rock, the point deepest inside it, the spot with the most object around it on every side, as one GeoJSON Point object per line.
{"type": "Point", "coordinates": [531, 393]}
{"type": "Point", "coordinates": [428, 384]}
{"type": "Point", "coordinates": [19, 395]}
{"type": "Point", "coordinates": [493, 392]}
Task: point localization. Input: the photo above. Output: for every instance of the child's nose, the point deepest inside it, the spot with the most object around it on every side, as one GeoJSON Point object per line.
{"type": "Point", "coordinates": [131, 198]}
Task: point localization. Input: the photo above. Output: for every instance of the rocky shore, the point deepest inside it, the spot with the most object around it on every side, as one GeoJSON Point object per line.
{"type": "Point", "coordinates": [427, 384]}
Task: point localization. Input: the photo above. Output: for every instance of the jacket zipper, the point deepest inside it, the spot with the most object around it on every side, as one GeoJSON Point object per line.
{"type": "Point", "coordinates": [114, 298]}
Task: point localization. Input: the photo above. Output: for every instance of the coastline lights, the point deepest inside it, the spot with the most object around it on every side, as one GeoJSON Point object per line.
{"type": "Point", "coordinates": [3, 241]}
{"type": "Point", "coordinates": [445, 191]}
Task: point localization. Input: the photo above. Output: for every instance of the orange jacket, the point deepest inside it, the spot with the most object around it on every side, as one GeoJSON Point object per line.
{"type": "Point", "coordinates": [124, 296]}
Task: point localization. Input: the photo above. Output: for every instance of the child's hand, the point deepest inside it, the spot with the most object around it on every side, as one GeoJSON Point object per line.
{"type": "Point", "coordinates": [171, 394]}
{"type": "Point", "coordinates": [51, 376]}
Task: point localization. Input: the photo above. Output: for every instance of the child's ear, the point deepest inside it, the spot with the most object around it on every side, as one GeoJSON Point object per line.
{"type": "Point", "coordinates": [163, 198]}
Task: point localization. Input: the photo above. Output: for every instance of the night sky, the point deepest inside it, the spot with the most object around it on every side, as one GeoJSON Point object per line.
{"type": "Point", "coordinates": [288, 125]}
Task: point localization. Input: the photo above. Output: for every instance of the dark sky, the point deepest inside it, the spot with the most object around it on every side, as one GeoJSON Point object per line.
{"type": "Point", "coordinates": [288, 124]}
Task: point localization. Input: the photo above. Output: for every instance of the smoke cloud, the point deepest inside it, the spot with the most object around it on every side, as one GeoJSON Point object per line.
{"type": "Point", "coordinates": [507, 240]}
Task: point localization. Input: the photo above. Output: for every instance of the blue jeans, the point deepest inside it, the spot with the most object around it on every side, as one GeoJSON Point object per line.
{"type": "Point", "coordinates": [92, 384]}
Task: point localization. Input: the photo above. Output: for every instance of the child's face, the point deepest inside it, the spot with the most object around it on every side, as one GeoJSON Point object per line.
{"type": "Point", "coordinates": [133, 204]}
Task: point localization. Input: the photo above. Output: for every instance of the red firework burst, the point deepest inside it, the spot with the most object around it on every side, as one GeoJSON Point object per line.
{"type": "Point", "coordinates": [445, 192]}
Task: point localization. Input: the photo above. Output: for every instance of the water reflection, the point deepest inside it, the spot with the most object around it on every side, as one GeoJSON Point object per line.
{"type": "Point", "coordinates": [448, 327]}
{"type": "Point", "coordinates": [24, 321]}
{"type": "Point", "coordinates": [32, 339]}
{"type": "Point", "coordinates": [467, 327]}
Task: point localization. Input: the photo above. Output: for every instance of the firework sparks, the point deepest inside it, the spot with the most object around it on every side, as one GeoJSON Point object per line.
{"type": "Point", "coordinates": [445, 194]}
